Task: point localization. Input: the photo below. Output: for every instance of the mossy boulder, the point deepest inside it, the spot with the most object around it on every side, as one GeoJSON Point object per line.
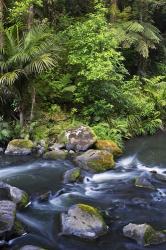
{"type": "Point", "coordinates": [55, 155]}
{"type": "Point", "coordinates": [18, 196]}
{"type": "Point", "coordinates": [109, 146]}
{"type": "Point", "coordinates": [83, 221]}
{"type": "Point", "coordinates": [144, 234]}
{"type": "Point", "coordinates": [95, 161]}
{"type": "Point", "coordinates": [72, 175]}
{"type": "Point", "coordinates": [78, 139]}
{"type": "Point", "coordinates": [19, 147]}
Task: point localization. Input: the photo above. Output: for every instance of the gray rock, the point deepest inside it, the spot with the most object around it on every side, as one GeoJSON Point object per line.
{"type": "Point", "coordinates": [72, 175]}
{"type": "Point", "coordinates": [95, 160]}
{"type": "Point", "coordinates": [30, 247]}
{"type": "Point", "coordinates": [83, 221]}
{"type": "Point", "coordinates": [19, 147]}
{"type": "Point", "coordinates": [78, 139]}
{"type": "Point", "coordinates": [57, 146]}
{"type": "Point", "coordinates": [144, 181]}
{"type": "Point", "coordinates": [55, 155]}
{"type": "Point", "coordinates": [42, 143]}
{"type": "Point", "coordinates": [71, 152]}
{"type": "Point", "coordinates": [1, 150]}
{"type": "Point", "coordinates": [144, 234]}
{"type": "Point", "coordinates": [15, 194]}
{"type": "Point", "coordinates": [7, 216]}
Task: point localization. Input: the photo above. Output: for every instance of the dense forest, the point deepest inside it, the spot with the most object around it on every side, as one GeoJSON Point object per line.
{"type": "Point", "coordinates": [70, 62]}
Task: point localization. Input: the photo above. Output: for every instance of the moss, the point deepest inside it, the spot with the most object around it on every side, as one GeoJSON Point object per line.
{"type": "Point", "coordinates": [55, 155]}
{"type": "Point", "coordinates": [18, 228]}
{"type": "Point", "coordinates": [24, 201]}
{"type": "Point", "coordinates": [109, 146]}
{"type": "Point", "coordinates": [92, 211]}
{"type": "Point", "coordinates": [103, 163]}
{"type": "Point", "coordinates": [149, 236]}
{"type": "Point", "coordinates": [62, 138]}
{"type": "Point", "coordinates": [75, 174]}
{"type": "Point", "coordinates": [21, 143]}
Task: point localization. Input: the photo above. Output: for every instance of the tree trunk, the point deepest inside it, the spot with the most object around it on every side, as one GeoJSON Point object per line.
{"type": "Point", "coordinates": [33, 103]}
{"type": "Point", "coordinates": [29, 25]}
{"type": "Point", "coordinates": [21, 117]}
{"type": "Point", "coordinates": [114, 9]}
{"type": "Point", "coordinates": [1, 24]}
{"type": "Point", "coordinates": [30, 17]}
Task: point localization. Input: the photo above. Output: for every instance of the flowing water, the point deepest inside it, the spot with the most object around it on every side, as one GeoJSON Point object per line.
{"type": "Point", "coordinates": [113, 192]}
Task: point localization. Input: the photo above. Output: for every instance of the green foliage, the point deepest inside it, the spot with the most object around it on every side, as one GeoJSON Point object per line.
{"type": "Point", "coordinates": [19, 10]}
{"type": "Point", "coordinates": [5, 131]}
{"type": "Point", "coordinates": [93, 50]}
{"type": "Point", "coordinates": [103, 131]}
{"type": "Point", "coordinates": [85, 63]}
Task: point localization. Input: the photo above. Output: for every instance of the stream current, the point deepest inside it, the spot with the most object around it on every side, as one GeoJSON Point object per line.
{"type": "Point", "coordinates": [113, 192]}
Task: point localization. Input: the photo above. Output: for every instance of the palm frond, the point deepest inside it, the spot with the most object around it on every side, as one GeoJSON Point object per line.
{"type": "Point", "coordinates": [9, 78]}
{"type": "Point", "coordinates": [43, 62]}
{"type": "Point", "coordinates": [134, 26]}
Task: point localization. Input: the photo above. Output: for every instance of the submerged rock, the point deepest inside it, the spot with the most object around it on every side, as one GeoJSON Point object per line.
{"type": "Point", "coordinates": [144, 234]}
{"type": "Point", "coordinates": [30, 247]}
{"type": "Point", "coordinates": [83, 221]}
{"type": "Point", "coordinates": [109, 146]}
{"type": "Point", "coordinates": [55, 155]}
{"type": "Point", "coordinates": [159, 177]}
{"type": "Point", "coordinates": [95, 160]}
{"type": "Point", "coordinates": [14, 194]}
{"type": "Point", "coordinates": [72, 175]}
{"type": "Point", "coordinates": [7, 216]}
{"type": "Point", "coordinates": [19, 147]}
{"type": "Point", "coordinates": [78, 139]}
{"type": "Point", "coordinates": [144, 181]}
{"type": "Point", "coordinates": [44, 197]}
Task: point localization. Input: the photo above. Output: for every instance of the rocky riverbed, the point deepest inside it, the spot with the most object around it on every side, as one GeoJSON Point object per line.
{"type": "Point", "coordinates": [73, 205]}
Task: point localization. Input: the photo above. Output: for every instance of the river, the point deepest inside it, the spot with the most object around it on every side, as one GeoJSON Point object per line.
{"type": "Point", "coordinates": [113, 192]}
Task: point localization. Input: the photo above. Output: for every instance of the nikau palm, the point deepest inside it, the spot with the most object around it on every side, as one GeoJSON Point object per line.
{"type": "Point", "coordinates": [22, 59]}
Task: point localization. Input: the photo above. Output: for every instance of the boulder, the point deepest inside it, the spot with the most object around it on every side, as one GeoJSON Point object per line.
{"type": "Point", "coordinates": [19, 147]}
{"type": "Point", "coordinates": [78, 139]}
{"type": "Point", "coordinates": [55, 155]}
{"type": "Point", "coordinates": [18, 196]}
{"type": "Point", "coordinates": [83, 221]}
{"type": "Point", "coordinates": [72, 175]}
{"type": "Point", "coordinates": [57, 146]}
{"type": "Point", "coordinates": [7, 216]}
{"type": "Point", "coordinates": [144, 181]}
{"type": "Point", "coordinates": [144, 234]}
{"type": "Point", "coordinates": [95, 161]}
{"type": "Point", "coordinates": [1, 150]}
{"type": "Point", "coordinates": [109, 146]}
{"type": "Point", "coordinates": [41, 147]}
{"type": "Point", "coordinates": [30, 247]}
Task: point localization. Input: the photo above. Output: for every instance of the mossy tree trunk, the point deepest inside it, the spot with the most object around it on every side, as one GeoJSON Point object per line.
{"type": "Point", "coordinates": [1, 24]}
